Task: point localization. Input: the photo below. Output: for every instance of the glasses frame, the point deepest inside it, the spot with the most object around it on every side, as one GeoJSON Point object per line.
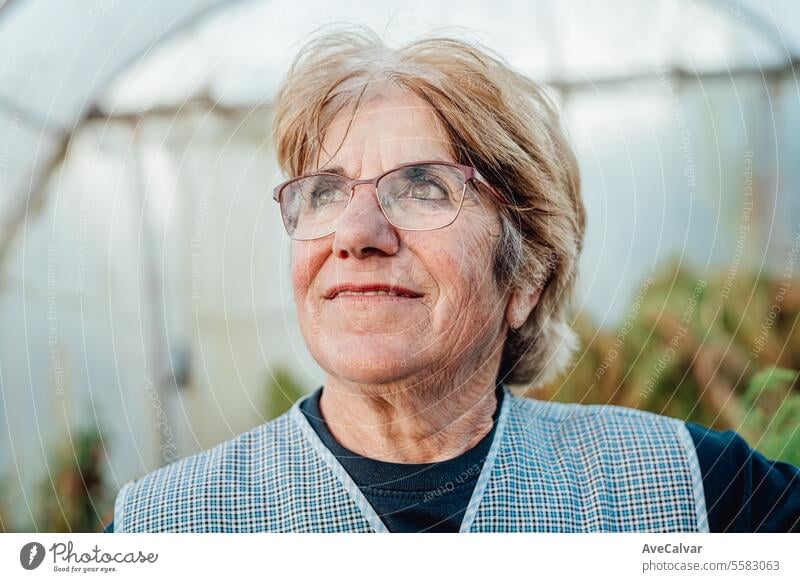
{"type": "Point", "coordinates": [470, 175]}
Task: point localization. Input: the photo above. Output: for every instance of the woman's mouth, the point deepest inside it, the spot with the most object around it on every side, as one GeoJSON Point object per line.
{"type": "Point", "coordinates": [371, 292]}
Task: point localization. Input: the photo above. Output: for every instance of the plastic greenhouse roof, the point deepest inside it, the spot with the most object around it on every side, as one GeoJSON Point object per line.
{"type": "Point", "coordinates": [237, 52]}
{"type": "Point", "coordinates": [237, 56]}
{"type": "Point", "coordinates": [60, 61]}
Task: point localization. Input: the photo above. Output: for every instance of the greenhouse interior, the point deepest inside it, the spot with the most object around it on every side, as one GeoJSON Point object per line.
{"type": "Point", "coordinates": [145, 295]}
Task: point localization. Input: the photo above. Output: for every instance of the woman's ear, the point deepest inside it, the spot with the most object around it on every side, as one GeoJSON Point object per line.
{"type": "Point", "coordinates": [520, 305]}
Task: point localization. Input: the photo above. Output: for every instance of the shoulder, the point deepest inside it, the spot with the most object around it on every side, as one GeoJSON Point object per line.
{"type": "Point", "coordinates": [625, 468]}
{"type": "Point", "coordinates": [745, 491]}
{"type": "Point", "coordinates": [719, 448]}
{"type": "Point", "coordinates": [219, 468]}
{"type": "Point", "coordinates": [607, 418]}
{"type": "Point", "coordinates": [255, 443]}
{"type": "Point", "coordinates": [606, 434]}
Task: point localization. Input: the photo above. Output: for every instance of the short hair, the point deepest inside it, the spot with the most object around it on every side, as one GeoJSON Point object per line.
{"type": "Point", "coordinates": [497, 120]}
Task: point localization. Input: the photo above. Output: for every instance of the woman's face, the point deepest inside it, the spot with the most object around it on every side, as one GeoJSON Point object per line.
{"type": "Point", "coordinates": [456, 315]}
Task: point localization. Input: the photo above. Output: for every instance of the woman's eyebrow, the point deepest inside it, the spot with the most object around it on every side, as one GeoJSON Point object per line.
{"type": "Point", "coordinates": [341, 171]}
{"type": "Point", "coordinates": [332, 170]}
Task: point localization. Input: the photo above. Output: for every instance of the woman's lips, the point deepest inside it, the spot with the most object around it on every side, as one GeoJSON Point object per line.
{"type": "Point", "coordinates": [371, 292]}
{"type": "Point", "coordinates": [371, 297]}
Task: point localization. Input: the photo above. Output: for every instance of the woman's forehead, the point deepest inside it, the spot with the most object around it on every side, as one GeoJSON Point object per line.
{"type": "Point", "coordinates": [385, 131]}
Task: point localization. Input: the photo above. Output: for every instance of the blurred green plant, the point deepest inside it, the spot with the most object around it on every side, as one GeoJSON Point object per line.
{"type": "Point", "coordinates": [714, 349]}
{"type": "Point", "coordinates": [773, 416]}
{"type": "Point", "coordinates": [282, 391]}
{"type": "Point", "coordinates": [77, 498]}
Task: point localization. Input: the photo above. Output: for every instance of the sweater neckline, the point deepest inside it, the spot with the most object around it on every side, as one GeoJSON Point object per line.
{"type": "Point", "coordinates": [421, 478]}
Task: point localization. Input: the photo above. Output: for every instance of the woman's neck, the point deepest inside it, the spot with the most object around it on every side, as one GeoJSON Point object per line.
{"type": "Point", "coordinates": [412, 422]}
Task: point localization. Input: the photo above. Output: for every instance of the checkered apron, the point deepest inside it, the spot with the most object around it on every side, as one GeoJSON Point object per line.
{"type": "Point", "coordinates": [552, 467]}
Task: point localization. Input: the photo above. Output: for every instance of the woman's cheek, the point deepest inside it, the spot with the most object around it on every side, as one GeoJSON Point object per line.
{"type": "Point", "coordinates": [454, 282]}
{"type": "Point", "coordinates": [306, 263]}
{"type": "Point", "coordinates": [466, 276]}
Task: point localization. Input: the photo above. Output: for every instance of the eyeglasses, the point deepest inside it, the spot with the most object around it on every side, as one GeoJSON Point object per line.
{"type": "Point", "coordinates": [416, 196]}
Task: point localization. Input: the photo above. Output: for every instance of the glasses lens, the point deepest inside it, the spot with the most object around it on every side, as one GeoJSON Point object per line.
{"type": "Point", "coordinates": [421, 197]}
{"type": "Point", "coordinates": [311, 205]}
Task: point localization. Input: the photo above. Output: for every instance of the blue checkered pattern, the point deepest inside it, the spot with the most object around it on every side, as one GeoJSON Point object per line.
{"type": "Point", "coordinates": [573, 468]}
{"type": "Point", "coordinates": [552, 467]}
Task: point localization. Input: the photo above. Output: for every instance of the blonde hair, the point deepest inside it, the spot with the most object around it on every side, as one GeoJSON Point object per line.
{"type": "Point", "coordinates": [498, 121]}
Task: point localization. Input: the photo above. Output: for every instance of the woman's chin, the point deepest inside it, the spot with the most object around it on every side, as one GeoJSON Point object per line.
{"type": "Point", "coordinates": [363, 361]}
{"type": "Point", "coordinates": [369, 376]}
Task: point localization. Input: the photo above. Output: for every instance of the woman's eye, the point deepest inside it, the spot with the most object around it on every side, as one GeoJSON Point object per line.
{"type": "Point", "coordinates": [427, 190]}
{"type": "Point", "coordinates": [322, 197]}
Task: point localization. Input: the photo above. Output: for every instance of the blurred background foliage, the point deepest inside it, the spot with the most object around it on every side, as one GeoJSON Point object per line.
{"type": "Point", "coordinates": [282, 391]}
{"type": "Point", "coordinates": [75, 494]}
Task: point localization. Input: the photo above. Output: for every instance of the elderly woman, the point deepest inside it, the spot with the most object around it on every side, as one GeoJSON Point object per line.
{"type": "Point", "coordinates": [436, 224]}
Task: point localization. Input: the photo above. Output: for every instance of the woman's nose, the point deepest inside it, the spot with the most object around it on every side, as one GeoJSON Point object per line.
{"type": "Point", "coordinates": [362, 230]}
